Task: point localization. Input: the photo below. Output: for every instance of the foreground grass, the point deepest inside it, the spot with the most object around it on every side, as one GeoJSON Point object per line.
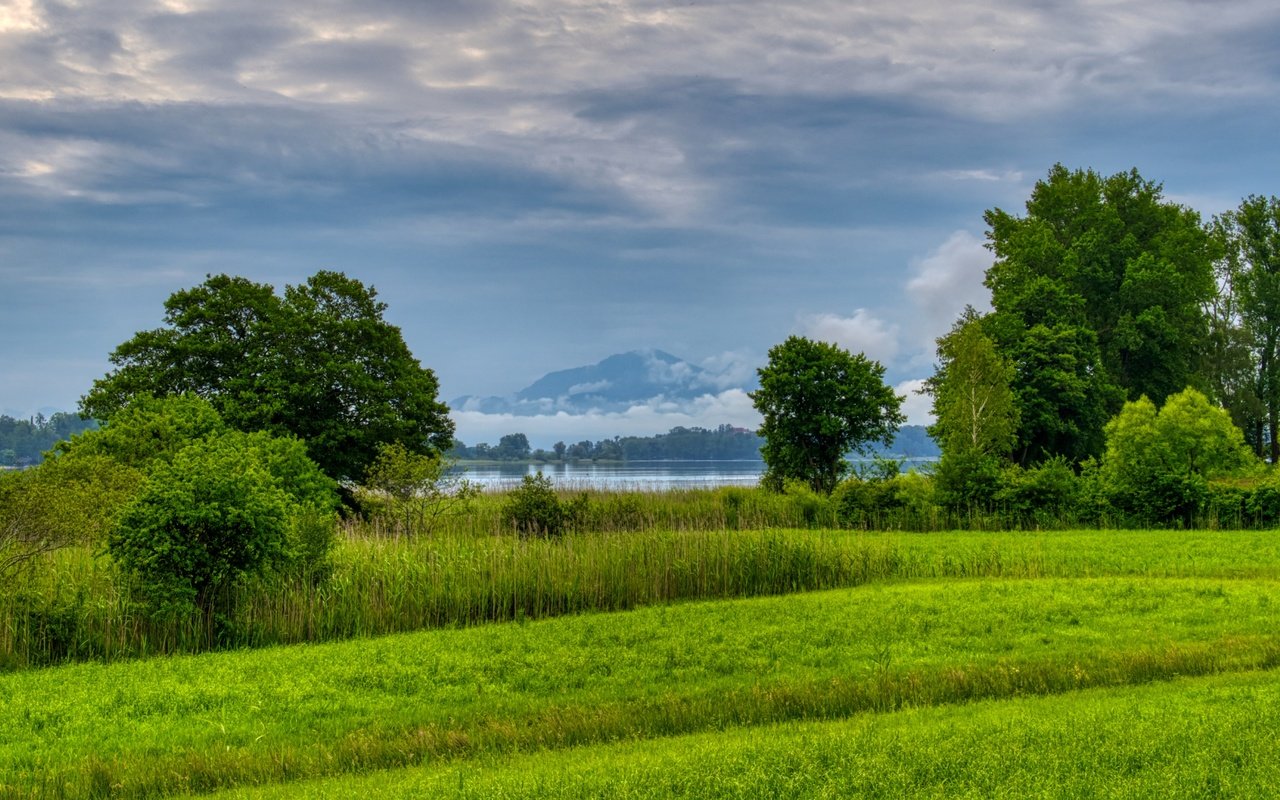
{"type": "Point", "coordinates": [199, 723]}
{"type": "Point", "coordinates": [1189, 738]}
{"type": "Point", "coordinates": [76, 608]}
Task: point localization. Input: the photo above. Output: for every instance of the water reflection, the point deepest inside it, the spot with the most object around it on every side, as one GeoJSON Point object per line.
{"type": "Point", "coordinates": [640, 475]}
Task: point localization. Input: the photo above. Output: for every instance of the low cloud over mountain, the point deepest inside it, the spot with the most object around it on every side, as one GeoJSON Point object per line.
{"type": "Point", "coordinates": [647, 378]}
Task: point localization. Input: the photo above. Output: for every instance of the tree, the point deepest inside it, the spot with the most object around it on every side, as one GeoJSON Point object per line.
{"type": "Point", "coordinates": [1104, 283]}
{"type": "Point", "coordinates": [975, 412]}
{"type": "Point", "coordinates": [1157, 462]}
{"type": "Point", "coordinates": [412, 492]}
{"type": "Point", "coordinates": [819, 402]}
{"type": "Point", "coordinates": [319, 363]}
{"type": "Point", "coordinates": [513, 447]}
{"type": "Point", "coordinates": [147, 429]}
{"type": "Point", "coordinates": [1252, 237]}
{"type": "Point", "coordinates": [973, 402]}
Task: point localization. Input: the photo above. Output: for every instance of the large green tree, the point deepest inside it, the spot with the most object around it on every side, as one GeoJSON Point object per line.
{"type": "Point", "coordinates": [819, 402]}
{"type": "Point", "coordinates": [319, 362]}
{"type": "Point", "coordinates": [1251, 234]}
{"type": "Point", "coordinates": [1099, 294]}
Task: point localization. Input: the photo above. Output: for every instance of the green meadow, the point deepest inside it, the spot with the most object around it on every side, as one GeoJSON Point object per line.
{"type": "Point", "coordinates": [700, 663]}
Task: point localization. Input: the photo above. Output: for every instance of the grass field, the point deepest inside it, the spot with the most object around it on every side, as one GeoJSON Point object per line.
{"type": "Point", "coordinates": [977, 663]}
{"type": "Point", "coordinates": [1189, 738]}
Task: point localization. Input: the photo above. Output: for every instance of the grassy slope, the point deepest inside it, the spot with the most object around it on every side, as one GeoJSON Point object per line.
{"type": "Point", "coordinates": [260, 716]}
{"type": "Point", "coordinates": [1190, 738]}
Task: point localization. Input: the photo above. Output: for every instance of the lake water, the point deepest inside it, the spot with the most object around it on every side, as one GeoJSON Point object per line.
{"type": "Point", "coordinates": [641, 475]}
{"type": "Point", "coordinates": [651, 475]}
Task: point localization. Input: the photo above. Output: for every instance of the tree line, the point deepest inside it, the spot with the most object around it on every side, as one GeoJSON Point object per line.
{"type": "Point", "coordinates": [23, 442]}
{"type": "Point", "coordinates": [723, 443]}
{"type": "Point", "coordinates": [1128, 361]}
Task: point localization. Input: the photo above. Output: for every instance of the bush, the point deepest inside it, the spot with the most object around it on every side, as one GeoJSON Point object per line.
{"type": "Point", "coordinates": [62, 502]}
{"type": "Point", "coordinates": [1041, 496]}
{"type": "Point", "coordinates": [967, 481]}
{"type": "Point", "coordinates": [1263, 503]}
{"type": "Point", "coordinates": [533, 509]}
{"type": "Point", "coordinates": [224, 508]}
{"type": "Point", "coordinates": [411, 493]}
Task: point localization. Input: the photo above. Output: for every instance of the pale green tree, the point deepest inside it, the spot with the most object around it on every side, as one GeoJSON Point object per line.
{"type": "Point", "coordinates": [1157, 462]}
{"type": "Point", "coordinates": [973, 401]}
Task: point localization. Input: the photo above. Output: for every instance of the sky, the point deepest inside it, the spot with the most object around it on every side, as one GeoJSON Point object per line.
{"type": "Point", "coordinates": [536, 185]}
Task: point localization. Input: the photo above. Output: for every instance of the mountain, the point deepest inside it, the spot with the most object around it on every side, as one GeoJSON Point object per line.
{"type": "Point", "coordinates": [614, 384]}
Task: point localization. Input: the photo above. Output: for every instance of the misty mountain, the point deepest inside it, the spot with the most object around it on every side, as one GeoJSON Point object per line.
{"type": "Point", "coordinates": [614, 384]}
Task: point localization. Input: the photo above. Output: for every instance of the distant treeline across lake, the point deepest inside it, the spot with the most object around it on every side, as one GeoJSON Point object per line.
{"type": "Point", "coordinates": [724, 443]}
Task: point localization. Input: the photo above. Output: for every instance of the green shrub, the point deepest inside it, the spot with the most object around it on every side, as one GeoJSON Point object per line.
{"type": "Point", "coordinates": [224, 508]}
{"type": "Point", "coordinates": [967, 481]}
{"type": "Point", "coordinates": [1040, 496]}
{"type": "Point", "coordinates": [411, 493]}
{"type": "Point", "coordinates": [149, 428]}
{"type": "Point", "coordinates": [65, 501]}
{"type": "Point", "coordinates": [534, 509]}
{"type": "Point", "coordinates": [1263, 503]}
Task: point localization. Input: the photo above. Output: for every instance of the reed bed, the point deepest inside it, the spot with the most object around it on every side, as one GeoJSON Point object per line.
{"type": "Point", "coordinates": [76, 608]}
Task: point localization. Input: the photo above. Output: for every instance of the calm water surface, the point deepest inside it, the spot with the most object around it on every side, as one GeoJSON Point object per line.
{"type": "Point", "coordinates": [651, 475]}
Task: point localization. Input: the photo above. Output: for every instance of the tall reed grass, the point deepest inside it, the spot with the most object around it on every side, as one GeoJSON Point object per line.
{"type": "Point", "coordinates": [632, 549]}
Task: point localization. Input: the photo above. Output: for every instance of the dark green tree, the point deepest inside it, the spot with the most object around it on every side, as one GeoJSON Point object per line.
{"type": "Point", "coordinates": [819, 402]}
{"type": "Point", "coordinates": [513, 447]}
{"type": "Point", "coordinates": [1252, 237]}
{"type": "Point", "coordinates": [319, 363]}
{"type": "Point", "coordinates": [1103, 283]}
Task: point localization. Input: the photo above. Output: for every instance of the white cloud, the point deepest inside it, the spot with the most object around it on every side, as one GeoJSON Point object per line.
{"type": "Point", "coordinates": [732, 368]}
{"type": "Point", "coordinates": [589, 388]}
{"type": "Point", "coordinates": [917, 407]}
{"type": "Point", "coordinates": [943, 283]}
{"type": "Point", "coordinates": [861, 333]}
{"type": "Point", "coordinates": [732, 407]}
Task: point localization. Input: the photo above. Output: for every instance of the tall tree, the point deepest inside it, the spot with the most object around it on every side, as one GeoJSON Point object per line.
{"type": "Point", "coordinates": [819, 402]}
{"type": "Point", "coordinates": [1104, 283]}
{"type": "Point", "coordinates": [1252, 237]}
{"type": "Point", "coordinates": [973, 401]}
{"type": "Point", "coordinates": [320, 363]}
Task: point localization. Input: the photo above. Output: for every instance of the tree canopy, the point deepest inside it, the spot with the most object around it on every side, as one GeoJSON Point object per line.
{"type": "Point", "coordinates": [319, 363]}
{"type": "Point", "coordinates": [819, 402]}
{"type": "Point", "coordinates": [1251, 321]}
{"type": "Point", "coordinates": [1098, 294]}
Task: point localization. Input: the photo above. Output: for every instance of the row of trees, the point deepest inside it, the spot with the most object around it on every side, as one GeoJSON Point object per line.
{"type": "Point", "coordinates": [725, 442]}
{"type": "Point", "coordinates": [24, 441]}
{"type": "Point", "coordinates": [1110, 302]}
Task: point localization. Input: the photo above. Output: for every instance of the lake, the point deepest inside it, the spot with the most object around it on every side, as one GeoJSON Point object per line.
{"type": "Point", "coordinates": [651, 475]}
{"type": "Point", "coordinates": [640, 475]}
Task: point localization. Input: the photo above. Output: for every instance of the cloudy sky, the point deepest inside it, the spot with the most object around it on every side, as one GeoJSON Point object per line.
{"type": "Point", "coordinates": [536, 185]}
